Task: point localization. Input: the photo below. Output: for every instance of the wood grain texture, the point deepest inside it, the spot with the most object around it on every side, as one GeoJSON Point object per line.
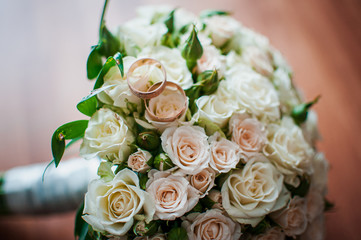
{"type": "Point", "coordinates": [44, 46]}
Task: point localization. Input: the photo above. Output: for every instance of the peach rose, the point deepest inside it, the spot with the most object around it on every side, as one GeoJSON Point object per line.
{"type": "Point", "coordinates": [212, 224]}
{"type": "Point", "coordinates": [274, 233]}
{"type": "Point", "coordinates": [259, 59]}
{"type": "Point", "coordinates": [216, 196]}
{"type": "Point", "coordinates": [248, 133]}
{"type": "Point", "coordinates": [173, 195]}
{"type": "Point", "coordinates": [211, 59]}
{"type": "Point", "coordinates": [293, 218]}
{"type": "Point", "coordinates": [203, 181]}
{"type": "Point", "coordinates": [187, 147]}
{"type": "Point", "coordinates": [225, 154]}
{"type": "Point", "coordinates": [138, 161]}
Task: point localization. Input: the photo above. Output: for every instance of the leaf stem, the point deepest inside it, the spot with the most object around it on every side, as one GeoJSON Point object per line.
{"type": "Point", "coordinates": [102, 18]}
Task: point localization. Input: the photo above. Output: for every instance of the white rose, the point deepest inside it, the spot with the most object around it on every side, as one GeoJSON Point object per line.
{"type": "Point", "coordinates": [173, 62]}
{"type": "Point", "coordinates": [187, 147]}
{"type": "Point", "coordinates": [310, 128]}
{"type": "Point", "coordinates": [315, 204]}
{"type": "Point", "coordinates": [221, 29]}
{"type": "Point", "coordinates": [166, 105]}
{"type": "Point", "coordinates": [143, 34]}
{"type": "Point", "coordinates": [260, 60]}
{"type": "Point", "coordinates": [211, 225]}
{"type": "Point", "coordinates": [173, 195]}
{"type": "Point", "coordinates": [211, 59]}
{"type": "Point", "coordinates": [253, 92]}
{"type": "Point", "coordinates": [203, 181]}
{"type": "Point", "coordinates": [225, 154]}
{"type": "Point", "coordinates": [107, 136]}
{"type": "Point", "coordinates": [112, 206]}
{"type": "Point", "coordinates": [289, 151]}
{"type": "Point", "coordinates": [217, 109]}
{"type": "Point", "coordinates": [315, 230]}
{"type": "Point", "coordinates": [216, 197]}
{"type": "Point", "coordinates": [120, 94]}
{"type": "Point", "coordinates": [274, 233]}
{"type": "Point", "coordinates": [158, 236]}
{"type": "Point", "coordinates": [246, 37]}
{"type": "Point", "coordinates": [248, 133]}
{"type": "Point", "coordinates": [320, 170]}
{"type": "Point", "coordinates": [138, 161]}
{"type": "Point", "coordinates": [248, 195]}
{"type": "Point", "coordinates": [293, 218]}
{"type": "Point", "coordinates": [286, 92]}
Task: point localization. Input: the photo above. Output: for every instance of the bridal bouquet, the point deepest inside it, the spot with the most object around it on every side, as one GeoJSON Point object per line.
{"type": "Point", "coordinates": [200, 134]}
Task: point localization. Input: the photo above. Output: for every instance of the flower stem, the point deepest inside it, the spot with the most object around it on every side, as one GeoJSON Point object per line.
{"type": "Point", "coordinates": [102, 18]}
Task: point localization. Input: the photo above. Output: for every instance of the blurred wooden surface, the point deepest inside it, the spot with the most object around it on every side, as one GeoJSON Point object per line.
{"type": "Point", "coordinates": [44, 46]}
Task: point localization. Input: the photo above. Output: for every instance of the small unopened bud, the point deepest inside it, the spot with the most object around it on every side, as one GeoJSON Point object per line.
{"type": "Point", "coordinates": [300, 112]}
{"type": "Point", "coordinates": [148, 140]}
{"type": "Point", "coordinates": [209, 81]}
{"type": "Point", "coordinates": [192, 50]}
{"type": "Point", "coordinates": [141, 228]}
{"type": "Point", "coordinates": [162, 162]}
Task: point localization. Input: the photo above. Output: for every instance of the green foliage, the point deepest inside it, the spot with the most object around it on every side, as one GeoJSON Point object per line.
{"type": "Point", "coordinates": [110, 62]}
{"type": "Point", "coordinates": [210, 13]}
{"type": "Point", "coordinates": [81, 227]}
{"type": "Point", "coordinates": [143, 179]}
{"type": "Point", "coordinates": [162, 162]}
{"type": "Point", "coordinates": [299, 113]}
{"type": "Point", "coordinates": [177, 233]}
{"type": "Point", "coordinates": [146, 229]}
{"type": "Point", "coordinates": [210, 127]}
{"type": "Point", "coordinates": [67, 131]}
{"type": "Point", "coordinates": [107, 45]}
{"type": "Point", "coordinates": [208, 81]}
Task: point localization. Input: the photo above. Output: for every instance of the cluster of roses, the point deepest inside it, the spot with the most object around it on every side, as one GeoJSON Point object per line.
{"type": "Point", "coordinates": [238, 160]}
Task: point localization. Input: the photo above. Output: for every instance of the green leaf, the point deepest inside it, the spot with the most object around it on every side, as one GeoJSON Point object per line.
{"type": "Point", "coordinates": [210, 13]}
{"type": "Point", "coordinates": [192, 50]}
{"type": "Point", "coordinates": [105, 171]}
{"type": "Point", "coordinates": [88, 107]}
{"type": "Point", "coordinates": [81, 227]}
{"type": "Point", "coordinates": [299, 113]}
{"type": "Point", "coordinates": [210, 127]}
{"type": "Point", "coordinates": [177, 233]}
{"type": "Point", "coordinates": [143, 179]}
{"type": "Point", "coordinates": [67, 131]}
{"type": "Point", "coordinates": [209, 81]}
{"type": "Point", "coordinates": [169, 22]}
{"type": "Point", "coordinates": [111, 62]}
{"type": "Point", "coordinates": [94, 63]}
{"type": "Point", "coordinates": [118, 57]}
{"type": "Point", "coordinates": [109, 44]}
{"type": "Point", "coordinates": [328, 205]}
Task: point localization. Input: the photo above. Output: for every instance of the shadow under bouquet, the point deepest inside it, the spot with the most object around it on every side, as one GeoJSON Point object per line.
{"type": "Point", "coordinates": [200, 134]}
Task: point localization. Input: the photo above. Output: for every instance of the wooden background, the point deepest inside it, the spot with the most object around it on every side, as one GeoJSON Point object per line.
{"type": "Point", "coordinates": [44, 45]}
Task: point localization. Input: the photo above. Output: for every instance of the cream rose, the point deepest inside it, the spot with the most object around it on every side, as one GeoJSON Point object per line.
{"type": "Point", "coordinates": [259, 59]}
{"type": "Point", "coordinates": [274, 233]}
{"type": "Point", "coordinates": [253, 92]}
{"type": "Point", "coordinates": [221, 29]}
{"type": "Point", "coordinates": [211, 225]}
{"type": "Point", "coordinates": [289, 151]}
{"type": "Point", "coordinates": [310, 128]}
{"type": "Point", "coordinates": [187, 147]}
{"type": "Point", "coordinates": [293, 218]}
{"type": "Point", "coordinates": [248, 195]}
{"type": "Point", "coordinates": [212, 59]}
{"type": "Point", "coordinates": [173, 195]}
{"type": "Point", "coordinates": [107, 136]}
{"type": "Point", "coordinates": [315, 230]}
{"type": "Point", "coordinates": [315, 204]}
{"type": "Point", "coordinates": [320, 171]}
{"type": "Point", "coordinates": [225, 154]}
{"type": "Point", "coordinates": [248, 133]}
{"type": "Point", "coordinates": [203, 181]}
{"type": "Point", "coordinates": [112, 206]}
{"type": "Point", "coordinates": [120, 94]}
{"type": "Point", "coordinates": [173, 62]}
{"type": "Point", "coordinates": [138, 161]}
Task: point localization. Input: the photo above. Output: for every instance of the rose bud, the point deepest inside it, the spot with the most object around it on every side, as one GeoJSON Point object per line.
{"type": "Point", "coordinates": [192, 50]}
{"type": "Point", "coordinates": [141, 228]}
{"type": "Point", "coordinates": [148, 140]}
{"type": "Point", "coordinates": [162, 162]}
{"type": "Point", "coordinates": [300, 112]}
{"type": "Point", "coordinates": [209, 81]}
